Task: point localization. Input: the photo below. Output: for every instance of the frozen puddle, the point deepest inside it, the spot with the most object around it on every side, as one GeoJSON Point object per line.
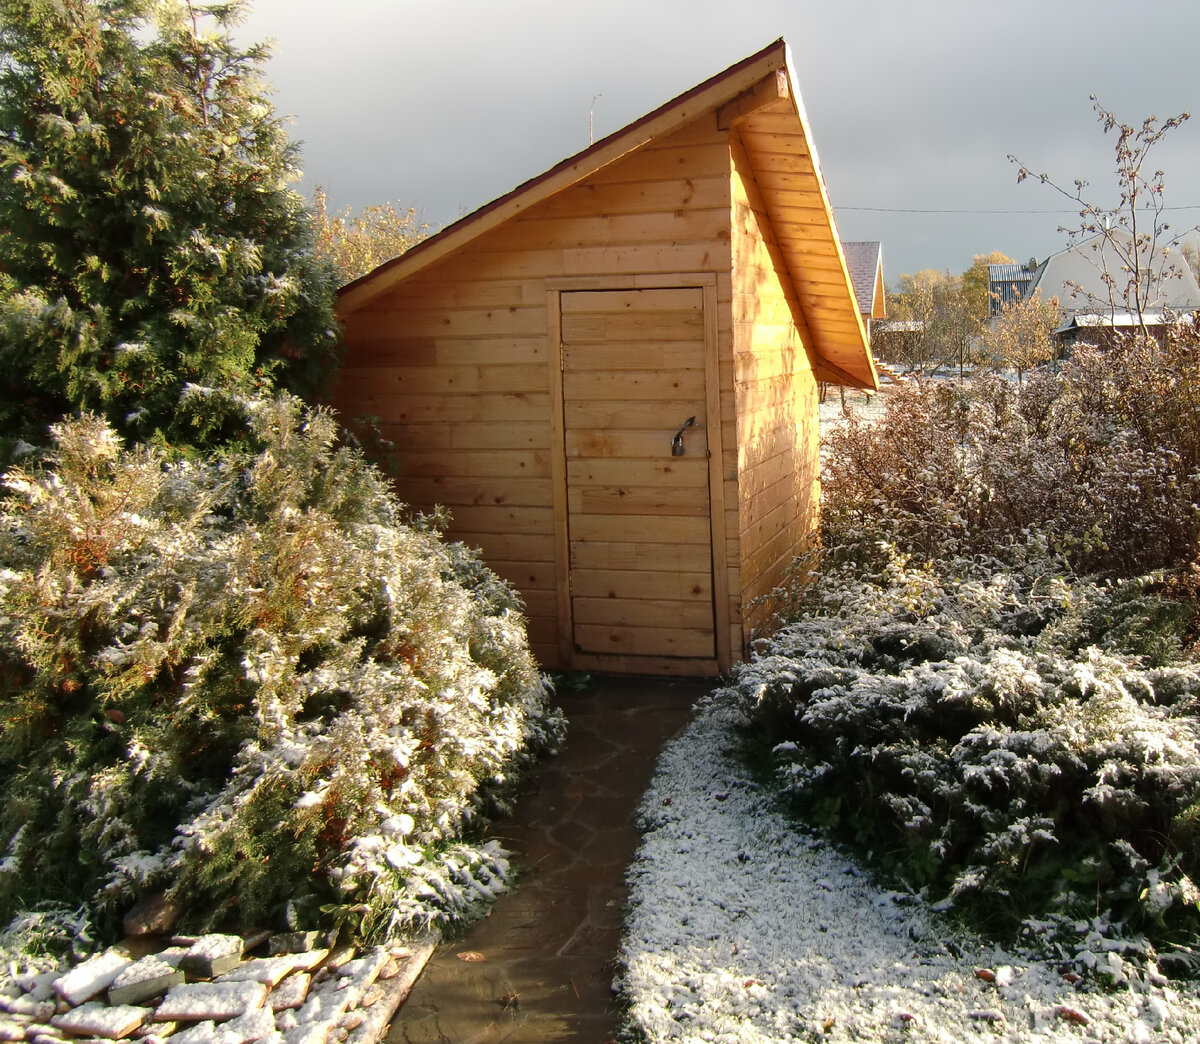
{"type": "Point", "coordinates": [743, 928]}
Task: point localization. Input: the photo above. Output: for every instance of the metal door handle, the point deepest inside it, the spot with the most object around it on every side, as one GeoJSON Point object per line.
{"type": "Point", "coordinates": [677, 441]}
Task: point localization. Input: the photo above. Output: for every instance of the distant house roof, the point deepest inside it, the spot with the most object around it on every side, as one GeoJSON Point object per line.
{"type": "Point", "coordinates": [1091, 277]}
{"type": "Point", "coordinates": [1117, 321]}
{"type": "Point", "coordinates": [1007, 284]}
{"type": "Point", "coordinates": [864, 258]}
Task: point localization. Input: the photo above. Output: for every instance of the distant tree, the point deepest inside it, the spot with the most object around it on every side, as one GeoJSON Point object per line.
{"type": "Point", "coordinates": [359, 243]}
{"type": "Point", "coordinates": [1021, 336]}
{"type": "Point", "coordinates": [1135, 235]}
{"type": "Point", "coordinates": [947, 328]}
{"type": "Point", "coordinates": [975, 282]}
{"type": "Point", "coordinates": [150, 240]}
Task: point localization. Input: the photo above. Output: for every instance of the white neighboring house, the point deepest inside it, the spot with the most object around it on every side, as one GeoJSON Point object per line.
{"type": "Point", "coordinates": [1094, 283]}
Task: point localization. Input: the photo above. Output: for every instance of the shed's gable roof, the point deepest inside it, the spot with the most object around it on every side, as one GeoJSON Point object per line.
{"type": "Point", "coordinates": [758, 96]}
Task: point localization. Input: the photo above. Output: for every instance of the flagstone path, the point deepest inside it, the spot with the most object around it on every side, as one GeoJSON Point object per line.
{"type": "Point", "coordinates": [540, 966]}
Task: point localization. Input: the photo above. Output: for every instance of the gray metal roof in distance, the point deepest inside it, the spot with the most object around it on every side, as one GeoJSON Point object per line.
{"type": "Point", "coordinates": [1007, 284]}
{"type": "Point", "coordinates": [863, 258]}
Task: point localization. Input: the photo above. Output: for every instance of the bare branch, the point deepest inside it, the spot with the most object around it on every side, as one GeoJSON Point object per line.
{"type": "Point", "coordinates": [1132, 257]}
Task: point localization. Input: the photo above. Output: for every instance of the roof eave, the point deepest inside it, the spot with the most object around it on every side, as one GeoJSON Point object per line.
{"type": "Point", "coordinates": [864, 371]}
{"type": "Point", "coordinates": [804, 225]}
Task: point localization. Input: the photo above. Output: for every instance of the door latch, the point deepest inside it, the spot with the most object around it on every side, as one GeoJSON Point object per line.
{"type": "Point", "coordinates": [677, 441]}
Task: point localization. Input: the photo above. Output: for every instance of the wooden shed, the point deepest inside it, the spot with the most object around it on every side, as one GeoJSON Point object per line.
{"type": "Point", "coordinates": [609, 375]}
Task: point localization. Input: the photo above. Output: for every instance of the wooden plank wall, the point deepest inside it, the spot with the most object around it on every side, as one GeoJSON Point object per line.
{"type": "Point", "coordinates": [455, 365]}
{"type": "Point", "coordinates": [776, 393]}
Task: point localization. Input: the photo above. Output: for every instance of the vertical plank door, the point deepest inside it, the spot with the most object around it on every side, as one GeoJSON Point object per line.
{"type": "Point", "coordinates": [639, 528]}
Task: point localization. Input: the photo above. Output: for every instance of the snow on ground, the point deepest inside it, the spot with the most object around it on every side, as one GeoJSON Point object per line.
{"type": "Point", "coordinates": [834, 410]}
{"type": "Point", "coordinates": [745, 928]}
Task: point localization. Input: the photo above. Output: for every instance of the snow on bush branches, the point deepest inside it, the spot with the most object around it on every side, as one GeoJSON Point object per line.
{"type": "Point", "coordinates": [952, 695]}
{"type": "Point", "coordinates": [1101, 461]}
{"type": "Point", "coordinates": [251, 681]}
{"type": "Point", "coordinates": [1018, 779]}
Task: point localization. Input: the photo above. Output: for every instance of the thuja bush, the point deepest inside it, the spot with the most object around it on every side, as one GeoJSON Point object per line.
{"type": "Point", "coordinates": [250, 681]}
{"type": "Point", "coordinates": [954, 725]}
{"type": "Point", "coordinates": [152, 236]}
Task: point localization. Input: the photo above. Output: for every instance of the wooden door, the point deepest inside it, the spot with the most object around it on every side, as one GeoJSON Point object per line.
{"type": "Point", "coordinates": [638, 517]}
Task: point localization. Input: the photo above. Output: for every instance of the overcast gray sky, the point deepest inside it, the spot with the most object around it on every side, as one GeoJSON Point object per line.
{"type": "Point", "coordinates": [445, 104]}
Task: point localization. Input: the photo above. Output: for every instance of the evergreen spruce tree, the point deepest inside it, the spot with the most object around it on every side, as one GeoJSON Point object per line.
{"type": "Point", "coordinates": [148, 237]}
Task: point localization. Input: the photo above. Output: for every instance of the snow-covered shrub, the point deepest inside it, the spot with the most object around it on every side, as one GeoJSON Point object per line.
{"type": "Point", "coordinates": [40, 939]}
{"type": "Point", "coordinates": [1100, 461]}
{"type": "Point", "coordinates": [953, 727]}
{"type": "Point", "coordinates": [251, 681]}
{"type": "Point", "coordinates": [985, 678]}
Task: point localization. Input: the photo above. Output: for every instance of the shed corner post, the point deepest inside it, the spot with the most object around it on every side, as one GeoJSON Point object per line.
{"type": "Point", "coordinates": [716, 478]}
{"type": "Point", "coordinates": [558, 473]}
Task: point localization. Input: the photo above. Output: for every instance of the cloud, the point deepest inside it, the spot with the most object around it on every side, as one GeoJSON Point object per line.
{"type": "Point", "coordinates": [916, 105]}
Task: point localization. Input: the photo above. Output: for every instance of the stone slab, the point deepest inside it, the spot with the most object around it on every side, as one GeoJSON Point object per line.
{"type": "Point", "coordinates": [254, 1025]}
{"type": "Point", "coordinates": [173, 955]}
{"type": "Point", "coordinates": [330, 1001]}
{"type": "Point", "coordinates": [91, 977]}
{"type": "Point", "coordinates": [39, 985]}
{"type": "Point", "coordinates": [339, 956]}
{"type": "Point", "coordinates": [205, 1032]}
{"type": "Point", "coordinates": [310, 959]}
{"type": "Point", "coordinates": [375, 957]}
{"type": "Point", "coordinates": [197, 1001]}
{"type": "Point", "coordinates": [292, 942]}
{"type": "Point", "coordinates": [325, 1003]}
{"type": "Point", "coordinates": [290, 993]}
{"type": "Point", "coordinates": [212, 955]}
{"type": "Point", "coordinates": [361, 972]}
{"type": "Point", "coordinates": [145, 979]}
{"type": "Point", "coordinates": [310, 1033]}
{"type": "Point", "coordinates": [28, 1006]}
{"type": "Point", "coordinates": [393, 993]}
{"type": "Point", "coordinates": [153, 915]}
{"type": "Point", "coordinates": [273, 970]}
{"type": "Point", "coordinates": [94, 1019]}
